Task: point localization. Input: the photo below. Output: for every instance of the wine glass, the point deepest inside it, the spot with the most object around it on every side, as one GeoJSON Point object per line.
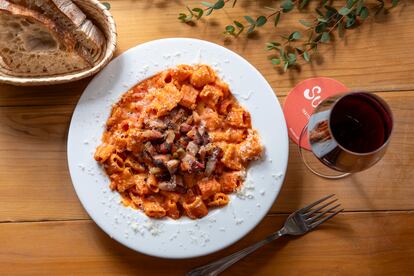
{"type": "Point", "coordinates": [347, 133]}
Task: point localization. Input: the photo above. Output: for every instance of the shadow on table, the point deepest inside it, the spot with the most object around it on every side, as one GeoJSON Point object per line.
{"type": "Point", "coordinates": [290, 197]}
{"type": "Point", "coordinates": [58, 94]}
{"type": "Point", "coordinates": [358, 186]}
{"type": "Point", "coordinates": [129, 261]}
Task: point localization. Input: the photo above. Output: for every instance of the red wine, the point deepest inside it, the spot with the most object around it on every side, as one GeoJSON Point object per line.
{"type": "Point", "coordinates": [360, 123]}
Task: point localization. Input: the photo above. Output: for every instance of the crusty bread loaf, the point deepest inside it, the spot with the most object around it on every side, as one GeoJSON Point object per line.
{"type": "Point", "coordinates": [69, 17]}
{"type": "Point", "coordinates": [33, 45]}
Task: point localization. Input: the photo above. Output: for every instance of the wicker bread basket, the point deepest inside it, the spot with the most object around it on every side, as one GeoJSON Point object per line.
{"type": "Point", "coordinates": [104, 20]}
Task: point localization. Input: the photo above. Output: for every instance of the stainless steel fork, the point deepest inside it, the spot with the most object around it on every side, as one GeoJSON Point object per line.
{"type": "Point", "coordinates": [298, 223]}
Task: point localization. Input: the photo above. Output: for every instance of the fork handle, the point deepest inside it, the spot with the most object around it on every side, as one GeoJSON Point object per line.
{"type": "Point", "coordinates": [220, 265]}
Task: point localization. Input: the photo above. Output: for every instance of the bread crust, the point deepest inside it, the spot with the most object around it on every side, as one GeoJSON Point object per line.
{"type": "Point", "coordinates": [65, 40]}
{"type": "Point", "coordinates": [60, 34]}
{"type": "Point", "coordinates": [70, 17]}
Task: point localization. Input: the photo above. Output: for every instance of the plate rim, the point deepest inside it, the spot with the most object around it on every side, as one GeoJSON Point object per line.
{"type": "Point", "coordinates": [253, 225]}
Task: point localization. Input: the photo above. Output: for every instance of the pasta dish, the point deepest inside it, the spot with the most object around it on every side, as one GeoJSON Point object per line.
{"type": "Point", "coordinates": [178, 143]}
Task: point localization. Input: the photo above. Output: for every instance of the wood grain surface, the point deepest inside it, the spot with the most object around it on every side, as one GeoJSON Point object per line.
{"type": "Point", "coordinates": [375, 57]}
{"type": "Point", "coordinates": [353, 244]}
{"type": "Point", "coordinates": [36, 136]}
{"type": "Point", "coordinates": [45, 230]}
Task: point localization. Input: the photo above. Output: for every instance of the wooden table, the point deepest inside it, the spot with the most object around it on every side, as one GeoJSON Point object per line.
{"type": "Point", "coordinates": [44, 229]}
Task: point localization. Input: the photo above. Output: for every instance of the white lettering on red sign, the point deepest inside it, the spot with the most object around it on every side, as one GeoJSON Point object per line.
{"type": "Point", "coordinates": [313, 95]}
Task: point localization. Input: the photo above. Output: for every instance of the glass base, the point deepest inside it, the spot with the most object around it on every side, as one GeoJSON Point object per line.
{"type": "Point", "coordinates": [313, 163]}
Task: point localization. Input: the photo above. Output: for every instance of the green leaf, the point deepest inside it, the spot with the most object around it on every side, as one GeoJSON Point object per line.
{"type": "Point", "coordinates": [325, 37]}
{"type": "Point", "coordinates": [261, 20]}
{"type": "Point", "coordinates": [349, 23]}
{"type": "Point", "coordinates": [294, 36]}
{"type": "Point", "coordinates": [394, 2]}
{"type": "Point", "coordinates": [359, 6]}
{"type": "Point", "coordinates": [306, 56]}
{"type": "Point", "coordinates": [303, 4]}
{"type": "Point", "coordinates": [310, 36]}
{"type": "Point", "coordinates": [317, 39]}
{"type": "Point", "coordinates": [349, 3]}
{"type": "Point", "coordinates": [218, 5]}
{"type": "Point", "coordinates": [230, 29]}
{"type": "Point", "coordinates": [350, 20]}
{"type": "Point", "coordinates": [272, 46]}
{"type": "Point", "coordinates": [182, 17]}
{"type": "Point", "coordinates": [364, 13]}
{"type": "Point", "coordinates": [331, 11]}
{"type": "Point", "coordinates": [344, 11]}
{"type": "Point", "coordinates": [323, 20]}
{"type": "Point", "coordinates": [323, 3]}
{"type": "Point", "coordinates": [209, 11]}
{"type": "Point", "coordinates": [315, 47]}
{"type": "Point", "coordinates": [330, 15]}
{"type": "Point", "coordinates": [277, 18]}
{"type": "Point", "coordinates": [287, 5]}
{"type": "Point", "coordinates": [207, 4]}
{"type": "Point", "coordinates": [238, 24]}
{"type": "Point", "coordinates": [107, 5]}
{"type": "Point", "coordinates": [285, 67]}
{"type": "Point", "coordinates": [320, 27]}
{"type": "Point", "coordinates": [282, 54]}
{"type": "Point", "coordinates": [250, 20]}
{"type": "Point", "coordinates": [186, 18]}
{"type": "Point", "coordinates": [251, 29]}
{"type": "Point", "coordinates": [292, 58]}
{"type": "Point", "coordinates": [199, 12]}
{"type": "Point", "coordinates": [275, 61]}
{"type": "Point", "coordinates": [305, 23]}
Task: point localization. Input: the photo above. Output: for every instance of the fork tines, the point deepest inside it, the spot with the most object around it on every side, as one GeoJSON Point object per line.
{"type": "Point", "coordinates": [321, 211]}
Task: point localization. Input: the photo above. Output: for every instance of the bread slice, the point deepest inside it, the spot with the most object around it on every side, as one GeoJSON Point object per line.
{"type": "Point", "coordinates": [33, 45]}
{"type": "Point", "coordinates": [70, 17]}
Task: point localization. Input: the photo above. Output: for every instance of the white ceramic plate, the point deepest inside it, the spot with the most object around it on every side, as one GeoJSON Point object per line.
{"type": "Point", "coordinates": [183, 238]}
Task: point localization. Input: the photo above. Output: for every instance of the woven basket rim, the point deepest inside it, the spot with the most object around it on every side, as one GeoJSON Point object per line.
{"type": "Point", "coordinates": [111, 42]}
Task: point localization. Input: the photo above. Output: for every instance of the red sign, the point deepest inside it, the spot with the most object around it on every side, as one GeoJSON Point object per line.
{"type": "Point", "coordinates": [302, 100]}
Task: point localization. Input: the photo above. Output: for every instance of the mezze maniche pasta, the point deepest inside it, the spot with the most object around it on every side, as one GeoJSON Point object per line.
{"type": "Point", "coordinates": [178, 143]}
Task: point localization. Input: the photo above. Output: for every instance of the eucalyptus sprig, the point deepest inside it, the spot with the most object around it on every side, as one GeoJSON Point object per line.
{"type": "Point", "coordinates": [299, 43]}
{"type": "Point", "coordinates": [207, 9]}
